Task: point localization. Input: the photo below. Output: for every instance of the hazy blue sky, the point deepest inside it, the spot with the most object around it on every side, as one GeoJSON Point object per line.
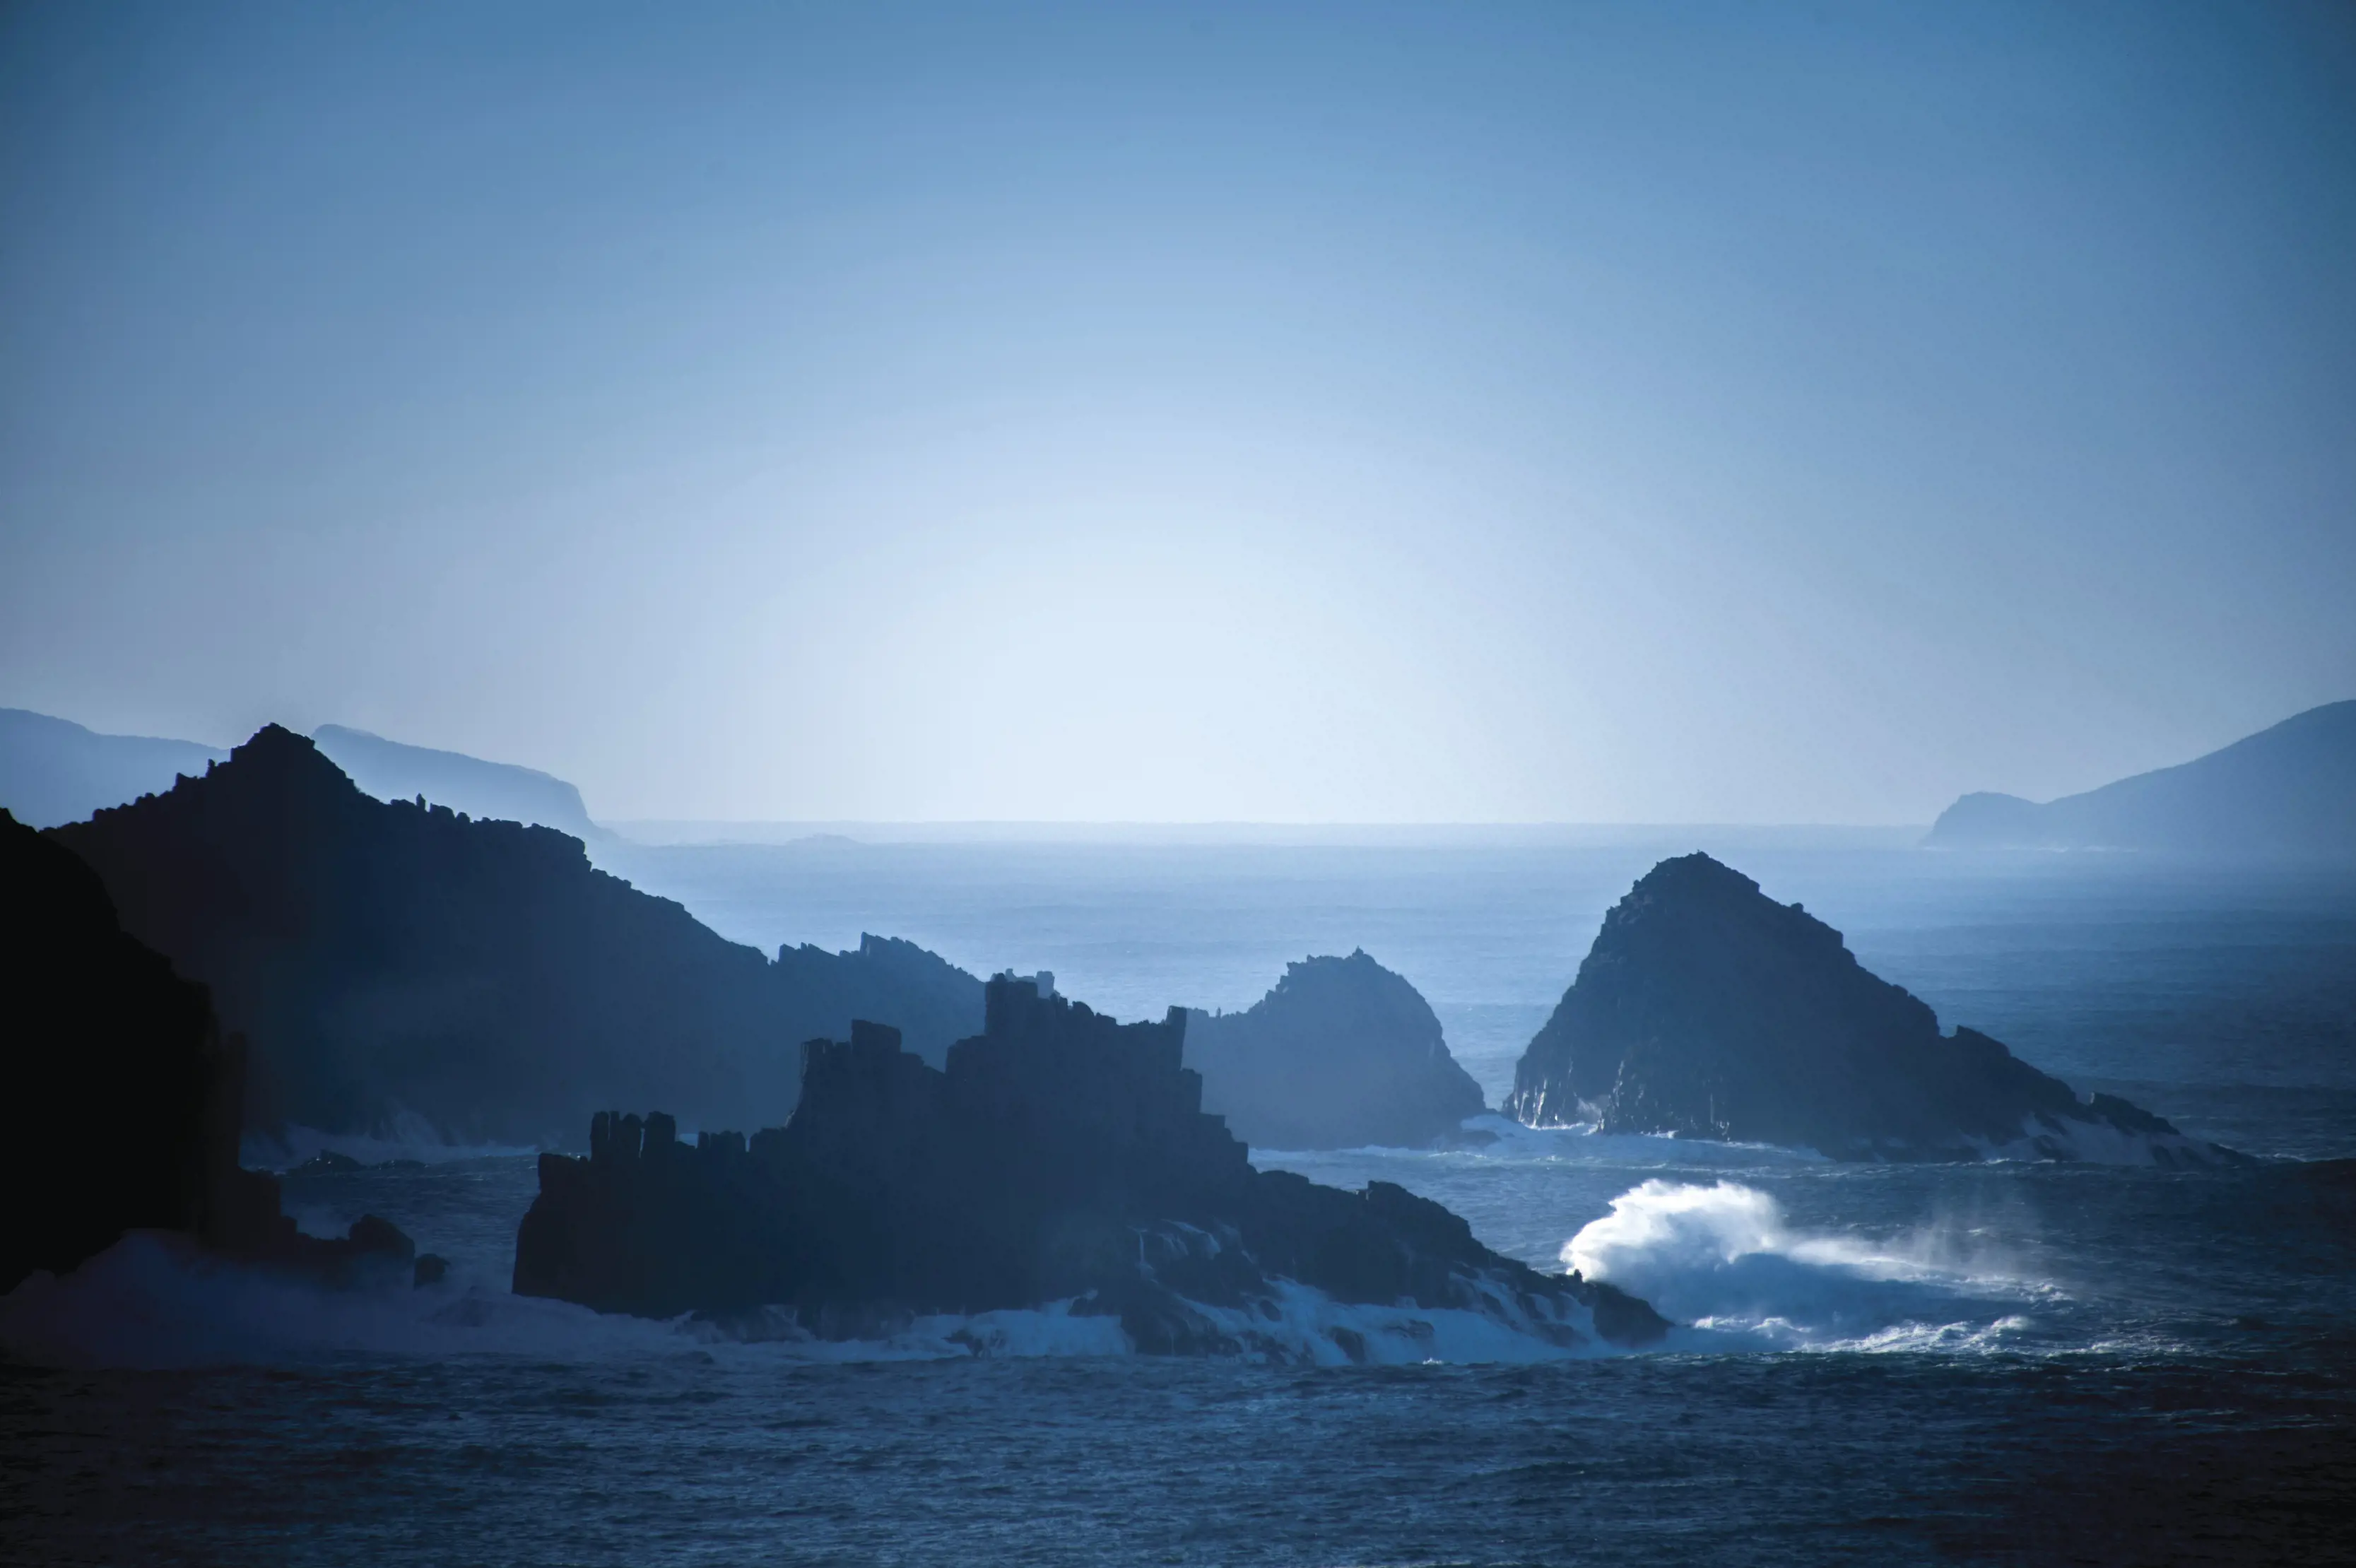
{"type": "Point", "coordinates": [1477, 413]}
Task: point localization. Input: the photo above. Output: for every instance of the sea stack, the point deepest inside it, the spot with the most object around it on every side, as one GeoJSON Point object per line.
{"type": "Point", "coordinates": [1707, 1009]}
{"type": "Point", "coordinates": [1061, 1157]}
{"type": "Point", "coordinates": [1340, 1053]}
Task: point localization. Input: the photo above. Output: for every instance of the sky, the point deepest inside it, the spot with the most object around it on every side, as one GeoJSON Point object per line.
{"type": "Point", "coordinates": [1186, 413]}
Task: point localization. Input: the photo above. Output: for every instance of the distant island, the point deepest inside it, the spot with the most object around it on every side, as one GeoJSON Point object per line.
{"type": "Point", "coordinates": [1061, 1162]}
{"type": "Point", "coordinates": [1340, 1054]}
{"type": "Point", "coordinates": [1707, 1009]}
{"type": "Point", "coordinates": [2286, 791]}
{"type": "Point", "coordinates": [402, 965]}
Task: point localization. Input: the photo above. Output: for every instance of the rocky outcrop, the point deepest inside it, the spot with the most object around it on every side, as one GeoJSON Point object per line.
{"type": "Point", "coordinates": [1340, 1054]}
{"type": "Point", "coordinates": [2286, 791]}
{"type": "Point", "coordinates": [1060, 1156]}
{"type": "Point", "coordinates": [1707, 1009]}
{"type": "Point", "coordinates": [392, 958]}
{"type": "Point", "coordinates": [132, 1093]}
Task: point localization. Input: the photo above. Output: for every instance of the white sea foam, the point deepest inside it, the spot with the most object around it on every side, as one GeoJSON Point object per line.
{"type": "Point", "coordinates": [1723, 1258]}
{"type": "Point", "coordinates": [153, 1301]}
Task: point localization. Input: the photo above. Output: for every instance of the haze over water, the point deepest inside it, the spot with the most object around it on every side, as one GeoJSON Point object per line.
{"type": "Point", "coordinates": [1174, 489]}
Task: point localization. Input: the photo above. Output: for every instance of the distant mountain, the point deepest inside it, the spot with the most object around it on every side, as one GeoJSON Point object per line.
{"type": "Point", "coordinates": [53, 770]}
{"type": "Point", "coordinates": [2290, 790]}
{"type": "Point", "coordinates": [1340, 1054]}
{"type": "Point", "coordinates": [389, 959]}
{"type": "Point", "coordinates": [501, 791]}
{"type": "Point", "coordinates": [1707, 1009]}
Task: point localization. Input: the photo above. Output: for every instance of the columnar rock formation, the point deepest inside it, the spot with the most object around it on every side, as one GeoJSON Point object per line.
{"type": "Point", "coordinates": [1060, 1156]}
{"type": "Point", "coordinates": [392, 958]}
{"type": "Point", "coordinates": [1342, 1053]}
{"type": "Point", "coordinates": [1707, 1009]}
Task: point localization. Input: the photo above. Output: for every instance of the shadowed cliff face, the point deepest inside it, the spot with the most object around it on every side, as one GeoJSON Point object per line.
{"type": "Point", "coordinates": [1707, 1009]}
{"type": "Point", "coordinates": [1340, 1054]}
{"type": "Point", "coordinates": [130, 1093]}
{"type": "Point", "coordinates": [1060, 1156]}
{"type": "Point", "coordinates": [126, 1092]}
{"type": "Point", "coordinates": [389, 959]}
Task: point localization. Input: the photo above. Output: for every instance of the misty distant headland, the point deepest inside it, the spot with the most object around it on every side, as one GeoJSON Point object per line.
{"type": "Point", "coordinates": [2285, 790]}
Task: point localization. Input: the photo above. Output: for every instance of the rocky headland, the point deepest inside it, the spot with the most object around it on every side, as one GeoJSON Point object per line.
{"type": "Point", "coordinates": [134, 1093]}
{"type": "Point", "coordinates": [2288, 791]}
{"type": "Point", "coordinates": [1342, 1053]}
{"type": "Point", "coordinates": [1060, 1160]}
{"type": "Point", "coordinates": [390, 960]}
{"type": "Point", "coordinates": [390, 770]}
{"type": "Point", "coordinates": [1707, 1009]}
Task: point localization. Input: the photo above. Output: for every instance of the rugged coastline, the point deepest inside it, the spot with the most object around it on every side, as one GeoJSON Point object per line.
{"type": "Point", "coordinates": [1060, 1160]}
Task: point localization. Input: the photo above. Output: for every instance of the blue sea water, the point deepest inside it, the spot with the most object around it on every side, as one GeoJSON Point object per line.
{"type": "Point", "coordinates": [2005, 1362]}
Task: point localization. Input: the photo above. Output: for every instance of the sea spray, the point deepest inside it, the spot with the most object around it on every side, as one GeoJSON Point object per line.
{"type": "Point", "coordinates": [1722, 1258]}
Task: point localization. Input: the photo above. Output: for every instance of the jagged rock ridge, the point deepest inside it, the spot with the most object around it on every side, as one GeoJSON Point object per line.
{"type": "Point", "coordinates": [1060, 1156]}
{"type": "Point", "coordinates": [391, 959]}
{"type": "Point", "coordinates": [53, 770]}
{"type": "Point", "coordinates": [1707, 1009]}
{"type": "Point", "coordinates": [1342, 1053]}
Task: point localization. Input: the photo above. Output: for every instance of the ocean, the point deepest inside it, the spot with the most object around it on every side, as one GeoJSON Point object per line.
{"type": "Point", "coordinates": [1877, 1364]}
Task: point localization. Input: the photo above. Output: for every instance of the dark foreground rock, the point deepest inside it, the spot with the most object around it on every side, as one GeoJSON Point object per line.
{"type": "Point", "coordinates": [397, 960]}
{"type": "Point", "coordinates": [1060, 1156]}
{"type": "Point", "coordinates": [1342, 1053]}
{"type": "Point", "coordinates": [1707, 1009]}
{"type": "Point", "coordinates": [132, 1091]}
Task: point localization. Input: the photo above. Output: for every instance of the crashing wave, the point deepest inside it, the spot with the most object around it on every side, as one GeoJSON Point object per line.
{"type": "Point", "coordinates": [1723, 1258]}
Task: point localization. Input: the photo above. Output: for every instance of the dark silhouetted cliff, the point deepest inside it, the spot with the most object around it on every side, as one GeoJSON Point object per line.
{"type": "Point", "coordinates": [1340, 1053]}
{"type": "Point", "coordinates": [126, 1092]}
{"type": "Point", "coordinates": [2287, 791]}
{"type": "Point", "coordinates": [1707, 1009]}
{"type": "Point", "coordinates": [1059, 1156]}
{"type": "Point", "coordinates": [387, 958]}
{"type": "Point", "coordinates": [53, 770]}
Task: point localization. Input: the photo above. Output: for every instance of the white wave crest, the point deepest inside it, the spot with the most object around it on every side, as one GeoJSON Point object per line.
{"type": "Point", "coordinates": [1723, 1258]}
